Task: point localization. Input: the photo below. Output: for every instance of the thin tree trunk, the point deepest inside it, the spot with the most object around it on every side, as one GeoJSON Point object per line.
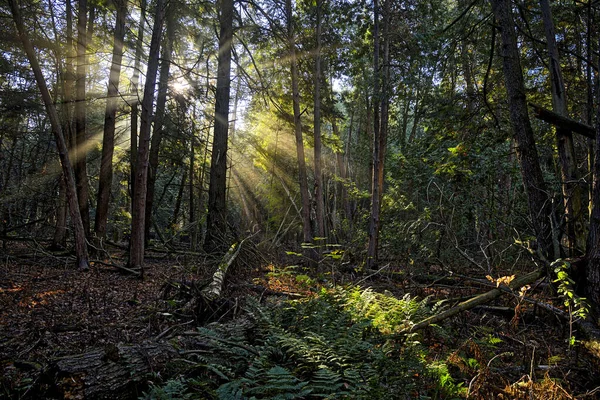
{"type": "Point", "coordinates": [59, 240]}
{"type": "Point", "coordinates": [216, 220]}
{"type": "Point", "coordinates": [192, 213]}
{"type": "Point", "coordinates": [374, 223]}
{"type": "Point", "coordinates": [303, 180]}
{"type": "Point", "coordinates": [80, 243]}
{"type": "Point", "coordinates": [320, 205]}
{"type": "Point", "coordinates": [177, 207]}
{"type": "Point", "coordinates": [571, 189]}
{"type": "Point", "coordinates": [80, 153]}
{"type": "Point", "coordinates": [136, 255]}
{"type": "Point", "coordinates": [535, 187]}
{"type": "Point", "coordinates": [135, 79]}
{"type": "Point", "coordinates": [592, 285]}
{"type": "Point", "coordinates": [161, 102]}
{"type": "Point", "coordinates": [108, 140]}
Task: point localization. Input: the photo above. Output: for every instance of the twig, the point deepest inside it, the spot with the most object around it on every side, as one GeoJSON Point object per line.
{"type": "Point", "coordinates": [169, 329]}
{"type": "Point", "coordinates": [373, 274]}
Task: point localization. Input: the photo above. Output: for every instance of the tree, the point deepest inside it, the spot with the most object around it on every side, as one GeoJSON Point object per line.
{"type": "Point", "coordinates": [135, 79]}
{"type": "Point", "coordinates": [108, 140]}
{"type": "Point", "coordinates": [535, 187]}
{"type": "Point", "coordinates": [302, 176]}
{"type": "Point", "coordinates": [566, 152]}
{"type": "Point", "coordinates": [380, 124]}
{"type": "Point", "coordinates": [216, 219]}
{"type": "Point", "coordinates": [320, 222]}
{"type": "Point", "coordinates": [136, 250]}
{"type": "Point", "coordinates": [159, 123]}
{"type": "Point", "coordinates": [63, 152]}
{"type": "Point", "coordinates": [80, 153]}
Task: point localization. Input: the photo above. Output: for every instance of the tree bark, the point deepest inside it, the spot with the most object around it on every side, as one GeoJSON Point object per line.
{"type": "Point", "coordinates": [80, 151]}
{"type": "Point", "coordinates": [571, 190]}
{"type": "Point", "coordinates": [302, 176]}
{"type": "Point", "coordinates": [592, 286]}
{"type": "Point", "coordinates": [320, 205]}
{"type": "Point", "coordinates": [108, 140]}
{"type": "Point", "coordinates": [535, 187]}
{"type": "Point", "coordinates": [135, 79]}
{"type": "Point", "coordinates": [136, 252]}
{"type": "Point", "coordinates": [216, 220]}
{"type": "Point", "coordinates": [63, 152]}
{"type": "Point", "coordinates": [380, 124]}
{"type": "Point", "coordinates": [157, 133]}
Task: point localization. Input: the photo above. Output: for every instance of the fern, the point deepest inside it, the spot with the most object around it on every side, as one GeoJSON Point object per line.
{"type": "Point", "coordinates": [332, 346]}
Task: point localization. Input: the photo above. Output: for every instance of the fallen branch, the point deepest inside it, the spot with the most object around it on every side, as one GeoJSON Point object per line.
{"type": "Point", "coordinates": [561, 121]}
{"type": "Point", "coordinates": [476, 301]}
{"type": "Point", "coordinates": [213, 290]}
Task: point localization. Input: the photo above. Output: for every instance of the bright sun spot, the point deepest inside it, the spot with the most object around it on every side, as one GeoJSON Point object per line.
{"type": "Point", "coordinates": [179, 85]}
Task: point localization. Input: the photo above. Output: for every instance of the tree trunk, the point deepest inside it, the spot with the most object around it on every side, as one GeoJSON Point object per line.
{"type": "Point", "coordinates": [157, 133]}
{"type": "Point", "coordinates": [59, 240]}
{"type": "Point", "coordinates": [216, 220]}
{"type": "Point", "coordinates": [108, 140]}
{"type": "Point", "coordinates": [320, 205]}
{"type": "Point", "coordinates": [136, 255]}
{"type": "Point", "coordinates": [135, 79]}
{"type": "Point", "coordinates": [80, 153]}
{"type": "Point", "coordinates": [535, 187]}
{"type": "Point", "coordinates": [80, 243]}
{"type": "Point", "coordinates": [572, 191]}
{"type": "Point", "coordinates": [177, 207]}
{"type": "Point", "coordinates": [191, 194]}
{"type": "Point", "coordinates": [303, 180]}
{"type": "Point", "coordinates": [592, 287]}
{"type": "Point", "coordinates": [380, 112]}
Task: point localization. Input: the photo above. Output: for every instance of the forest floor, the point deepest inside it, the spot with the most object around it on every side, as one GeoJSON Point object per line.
{"type": "Point", "coordinates": [49, 310]}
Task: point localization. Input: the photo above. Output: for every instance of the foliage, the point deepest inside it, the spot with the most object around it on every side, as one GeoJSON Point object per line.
{"type": "Point", "coordinates": [341, 343]}
{"type": "Point", "coordinates": [577, 306]}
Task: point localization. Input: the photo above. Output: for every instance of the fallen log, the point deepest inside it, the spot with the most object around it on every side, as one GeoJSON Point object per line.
{"type": "Point", "coordinates": [476, 301]}
{"type": "Point", "coordinates": [116, 372]}
{"type": "Point", "coordinates": [561, 121]}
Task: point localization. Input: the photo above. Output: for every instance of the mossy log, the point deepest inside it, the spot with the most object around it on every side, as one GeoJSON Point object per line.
{"type": "Point", "coordinates": [116, 372]}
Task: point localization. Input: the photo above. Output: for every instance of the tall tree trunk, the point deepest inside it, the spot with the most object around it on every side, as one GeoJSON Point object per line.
{"type": "Point", "coordinates": [303, 180]}
{"type": "Point", "coordinates": [80, 243]}
{"type": "Point", "coordinates": [320, 205]}
{"type": "Point", "coordinates": [135, 79]}
{"type": "Point", "coordinates": [535, 187]}
{"type": "Point", "coordinates": [571, 189]}
{"type": "Point", "coordinates": [136, 250]}
{"type": "Point", "coordinates": [377, 172]}
{"type": "Point", "coordinates": [108, 140]}
{"type": "Point", "coordinates": [592, 286]}
{"type": "Point", "coordinates": [216, 220]}
{"type": "Point", "coordinates": [161, 101]}
{"type": "Point", "coordinates": [80, 153]}
{"type": "Point", "coordinates": [192, 213]}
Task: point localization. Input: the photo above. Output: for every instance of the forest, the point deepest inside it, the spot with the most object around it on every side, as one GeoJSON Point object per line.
{"type": "Point", "coordinates": [277, 199]}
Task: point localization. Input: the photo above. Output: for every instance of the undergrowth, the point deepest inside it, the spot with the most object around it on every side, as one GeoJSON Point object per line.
{"type": "Point", "coordinates": [341, 343]}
